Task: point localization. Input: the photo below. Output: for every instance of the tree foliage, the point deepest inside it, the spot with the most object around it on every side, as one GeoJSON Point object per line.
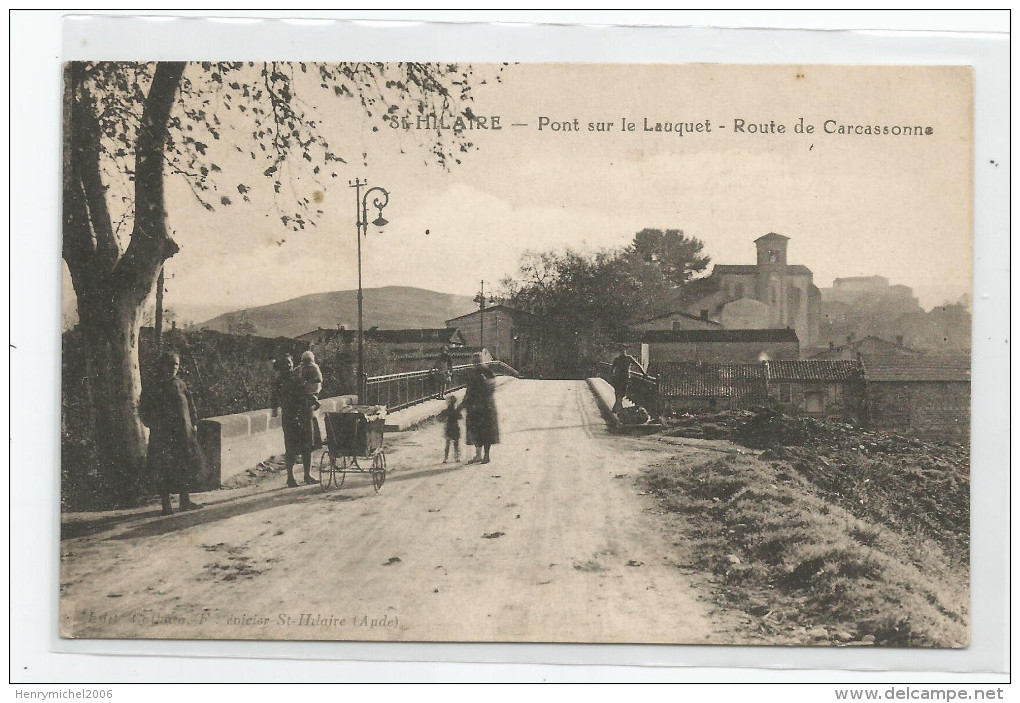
{"type": "Point", "coordinates": [677, 256]}
{"type": "Point", "coordinates": [580, 302]}
{"type": "Point", "coordinates": [130, 126]}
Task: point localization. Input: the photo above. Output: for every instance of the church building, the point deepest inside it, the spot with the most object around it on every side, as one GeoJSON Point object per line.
{"type": "Point", "coordinates": [771, 294]}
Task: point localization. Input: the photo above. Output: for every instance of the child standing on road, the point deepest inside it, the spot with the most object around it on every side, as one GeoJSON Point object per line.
{"type": "Point", "coordinates": [452, 429]}
{"type": "Point", "coordinates": [311, 379]}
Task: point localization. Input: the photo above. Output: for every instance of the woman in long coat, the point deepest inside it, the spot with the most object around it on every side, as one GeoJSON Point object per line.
{"type": "Point", "coordinates": [482, 420]}
{"type": "Point", "coordinates": [174, 457]}
{"type": "Point", "coordinates": [298, 434]}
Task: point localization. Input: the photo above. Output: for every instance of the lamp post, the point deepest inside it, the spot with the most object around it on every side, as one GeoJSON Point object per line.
{"type": "Point", "coordinates": [379, 201]}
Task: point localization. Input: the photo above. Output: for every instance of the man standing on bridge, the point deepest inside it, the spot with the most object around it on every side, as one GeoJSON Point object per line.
{"type": "Point", "coordinates": [621, 375]}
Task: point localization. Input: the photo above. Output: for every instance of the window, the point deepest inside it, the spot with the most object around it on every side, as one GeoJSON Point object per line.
{"type": "Point", "coordinates": [784, 393]}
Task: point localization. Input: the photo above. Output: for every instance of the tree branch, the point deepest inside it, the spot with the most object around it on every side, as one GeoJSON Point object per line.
{"type": "Point", "coordinates": [85, 157]}
{"type": "Point", "coordinates": [78, 247]}
{"type": "Point", "coordinates": [150, 244]}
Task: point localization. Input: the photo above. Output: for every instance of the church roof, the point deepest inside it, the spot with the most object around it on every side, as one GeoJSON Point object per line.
{"type": "Point", "coordinates": [771, 235]}
{"type": "Point", "coordinates": [752, 269]}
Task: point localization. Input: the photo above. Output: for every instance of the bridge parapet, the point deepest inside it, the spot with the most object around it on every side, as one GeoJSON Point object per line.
{"type": "Point", "coordinates": [235, 443]}
{"type": "Point", "coordinates": [642, 390]}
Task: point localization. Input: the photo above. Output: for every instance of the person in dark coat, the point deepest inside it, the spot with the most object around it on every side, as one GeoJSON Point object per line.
{"type": "Point", "coordinates": [174, 457]}
{"type": "Point", "coordinates": [480, 403]}
{"type": "Point", "coordinates": [621, 375]}
{"type": "Point", "coordinates": [298, 433]}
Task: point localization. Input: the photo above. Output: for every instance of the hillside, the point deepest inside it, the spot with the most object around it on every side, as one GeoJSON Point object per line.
{"type": "Point", "coordinates": [391, 307]}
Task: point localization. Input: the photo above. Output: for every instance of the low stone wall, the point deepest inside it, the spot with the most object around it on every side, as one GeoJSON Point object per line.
{"type": "Point", "coordinates": [234, 443]}
{"type": "Point", "coordinates": [605, 397]}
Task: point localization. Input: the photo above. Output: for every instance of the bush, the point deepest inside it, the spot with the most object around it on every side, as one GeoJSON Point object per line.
{"type": "Point", "coordinates": [225, 373]}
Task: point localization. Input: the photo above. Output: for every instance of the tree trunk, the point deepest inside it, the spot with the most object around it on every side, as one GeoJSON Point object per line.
{"type": "Point", "coordinates": [110, 346]}
{"type": "Point", "coordinates": [111, 287]}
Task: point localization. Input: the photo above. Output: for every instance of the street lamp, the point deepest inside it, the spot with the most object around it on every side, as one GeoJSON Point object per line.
{"type": "Point", "coordinates": [380, 199]}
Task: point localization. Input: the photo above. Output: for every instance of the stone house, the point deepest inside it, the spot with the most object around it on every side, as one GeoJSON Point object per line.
{"type": "Point", "coordinates": [927, 395]}
{"type": "Point", "coordinates": [502, 330]}
{"type": "Point", "coordinates": [823, 388]}
{"type": "Point", "coordinates": [692, 386]}
{"type": "Point", "coordinates": [819, 388]}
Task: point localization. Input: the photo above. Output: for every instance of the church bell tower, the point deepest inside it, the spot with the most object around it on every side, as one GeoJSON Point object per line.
{"type": "Point", "coordinates": [771, 249]}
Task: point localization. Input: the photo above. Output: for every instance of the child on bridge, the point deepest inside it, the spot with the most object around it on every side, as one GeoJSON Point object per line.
{"type": "Point", "coordinates": [452, 429]}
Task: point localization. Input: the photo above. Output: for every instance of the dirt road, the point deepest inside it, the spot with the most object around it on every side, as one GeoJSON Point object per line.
{"type": "Point", "coordinates": [552, 541]}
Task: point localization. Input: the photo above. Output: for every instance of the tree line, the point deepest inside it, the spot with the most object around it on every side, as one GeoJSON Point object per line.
{"type": "Point", "coordinates": [580, 302]}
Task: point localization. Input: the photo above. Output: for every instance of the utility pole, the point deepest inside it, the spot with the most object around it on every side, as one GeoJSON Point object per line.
{"type": "Point", "coordinates": [159, 312]}
{"type": "Point", "coordinates": [480, 301]}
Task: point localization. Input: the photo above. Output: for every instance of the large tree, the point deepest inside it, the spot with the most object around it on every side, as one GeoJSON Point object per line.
{"type": "Point", "coordinates": [677, 256]}
{"type": "Point", "coordinates": [128, 127]}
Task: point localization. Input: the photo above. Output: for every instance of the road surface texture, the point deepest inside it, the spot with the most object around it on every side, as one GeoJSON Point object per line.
{"type": "Point", "coordinates": [550, 542]}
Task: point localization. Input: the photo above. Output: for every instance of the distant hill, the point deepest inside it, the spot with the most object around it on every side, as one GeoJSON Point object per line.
{"type": "Point", "coordinates": [391, 307]}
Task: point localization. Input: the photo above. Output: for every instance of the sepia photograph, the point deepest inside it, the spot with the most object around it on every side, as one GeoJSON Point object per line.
{"type": "Point", "coordinates": [633, 353]}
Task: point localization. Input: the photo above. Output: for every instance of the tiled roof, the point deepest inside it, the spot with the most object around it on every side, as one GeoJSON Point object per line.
{"type": "Point", "coordinates": [491, 308]}
{"type": "Point", "coordinates": [693, 380]}
{"type": "Point", "coordinates": [444, 335]}
{"type": "Point", "coordinates": [440, 334]}
{"type": "Point", "coordinates": [678, 313]}
{"type": "Point", "coordinates": [921, 368]}
{"type": "Point", "coordinates": [870, 343]}
{"type": "Point", "coordinates": [813, 370]}
{"type": "Point", "coordinates": [688, 336]}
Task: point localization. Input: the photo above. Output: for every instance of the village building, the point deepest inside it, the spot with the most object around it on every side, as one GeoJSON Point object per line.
{"type": "Point", "coordinates": [822, 388]}
{"type": "Point", "coordinates": [675, 320]}
{"type": "Point", "coordinates": [389, 351]}
{"type": "Point", "coordinates": [720, 346]}
{"type": "Point", "coordinates": [928, 395]}
{"type": "Point", "coordinates": [402, 340]}
{"type": "Point", "coordinates": [851, 289]}
{"type": "Point", "coordinates": [501, 330]}
{"type": "Point", "coordinates": [866, 346]}
{"type": "Point", "coordinates": [770, 294]}
{"type": "Point", "coordinates": [817, 388]}
{"type": "Point", "coordinates": [693, 387]}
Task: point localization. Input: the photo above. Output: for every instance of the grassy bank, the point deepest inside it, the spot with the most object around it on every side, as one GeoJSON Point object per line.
{"type": "Point", "coordinates": [782, 546]}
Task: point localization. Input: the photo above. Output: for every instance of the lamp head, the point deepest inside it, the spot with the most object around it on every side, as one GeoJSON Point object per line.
{"type": "Point", "coordinates": [380, 221]}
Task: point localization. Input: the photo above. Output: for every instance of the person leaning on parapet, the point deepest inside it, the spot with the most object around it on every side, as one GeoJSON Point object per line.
{"type": "Point", "coordinates": [174, 457]}
{"type": "Point", "coordinates": [298, 436]}
{"type": "Point", "coordinates": [444, 371]}
{"type": "Point", "coordinates": [621, 375]}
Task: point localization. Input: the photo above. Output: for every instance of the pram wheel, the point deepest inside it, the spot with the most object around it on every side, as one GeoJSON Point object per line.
{"type": "Point", "coordinates": [379, 470]}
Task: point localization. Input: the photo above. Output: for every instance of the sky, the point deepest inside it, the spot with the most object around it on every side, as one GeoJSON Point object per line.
{"type": "Point", "coordinates": [852, 205]}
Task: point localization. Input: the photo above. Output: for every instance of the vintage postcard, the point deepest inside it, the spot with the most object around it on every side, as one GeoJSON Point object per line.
{"type": "Point", "coordinates": [586, 353]}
